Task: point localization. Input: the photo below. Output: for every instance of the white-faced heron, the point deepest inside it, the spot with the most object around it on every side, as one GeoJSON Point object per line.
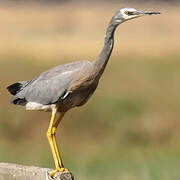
{"type": "Point", "coordinates": [66, 86]}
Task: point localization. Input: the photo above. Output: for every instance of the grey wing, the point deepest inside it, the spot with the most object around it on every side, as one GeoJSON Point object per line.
{"type": "Point", "coordinates": [47, 91]}
{"type": "Point", "coordinates": [51, 85]}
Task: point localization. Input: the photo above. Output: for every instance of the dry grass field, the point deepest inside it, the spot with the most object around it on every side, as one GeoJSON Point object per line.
{"type": "Point", "coordinates": [74, 32]}
{"type": "Point", "coordinates": [130, 129]}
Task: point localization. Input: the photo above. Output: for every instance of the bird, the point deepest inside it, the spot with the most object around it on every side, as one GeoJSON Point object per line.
{"type": "Point", "coordinates": [66, 86]}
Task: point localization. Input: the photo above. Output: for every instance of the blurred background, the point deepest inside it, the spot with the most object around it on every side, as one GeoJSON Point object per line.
{"type": "Point", "coordinates": [130, 128]}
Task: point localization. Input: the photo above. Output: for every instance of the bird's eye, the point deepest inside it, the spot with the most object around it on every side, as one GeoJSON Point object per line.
{"type": "Point", "coordinates": [127, 13]}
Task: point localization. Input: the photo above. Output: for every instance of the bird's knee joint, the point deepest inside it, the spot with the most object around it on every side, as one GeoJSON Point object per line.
{"type": "Point", "coordinates": [51, 132]}
{"type": "Point", "coordinates": [48, 134]}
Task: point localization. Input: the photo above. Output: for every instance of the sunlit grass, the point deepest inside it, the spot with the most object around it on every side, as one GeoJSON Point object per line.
{"type": "Point", "coordinates": [76, 32]}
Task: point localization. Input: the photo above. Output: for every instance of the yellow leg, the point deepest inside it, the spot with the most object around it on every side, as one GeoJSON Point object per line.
{"type": "Point", "coordinates": [59, 120]}
{"type": "Point", "coordinates": [52, 141]}
{"type": "Point", "coordinates": [49, 136]}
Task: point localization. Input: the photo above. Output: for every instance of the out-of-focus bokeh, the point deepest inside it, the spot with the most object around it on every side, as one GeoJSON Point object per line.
{"type": "Point", "coordinates": [130, 128]}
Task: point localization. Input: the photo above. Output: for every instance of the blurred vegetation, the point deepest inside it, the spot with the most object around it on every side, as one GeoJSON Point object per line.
{"type": "Point", "coordinates": [129, 130]}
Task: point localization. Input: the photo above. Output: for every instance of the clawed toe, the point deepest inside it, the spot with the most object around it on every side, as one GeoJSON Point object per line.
{"type": "Point", "coordinates": [58, 170]}
{"type": "Point", "coordinates": [63, 170]}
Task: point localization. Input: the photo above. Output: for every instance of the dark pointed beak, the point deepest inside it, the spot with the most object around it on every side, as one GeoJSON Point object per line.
{"type": "Point", "coordinates": [139, 13]}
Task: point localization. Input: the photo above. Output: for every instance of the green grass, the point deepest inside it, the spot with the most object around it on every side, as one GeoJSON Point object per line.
{"type": "Point", "coordinates": [128, 130]}
{"type": "Point", "coordinates": [126, 163]}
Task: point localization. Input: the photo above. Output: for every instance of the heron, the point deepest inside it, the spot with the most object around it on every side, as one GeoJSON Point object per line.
{"type": "Point", "coordinates": [66, 86]}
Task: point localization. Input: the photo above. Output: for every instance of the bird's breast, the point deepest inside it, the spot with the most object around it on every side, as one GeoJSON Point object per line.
{"type": "Point", "coordinates": [77, 97]}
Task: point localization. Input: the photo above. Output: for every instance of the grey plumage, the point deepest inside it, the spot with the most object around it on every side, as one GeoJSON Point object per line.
{"type": "Point", "coordinates": [75, 81]}
{"type": "Point", "coordinates": [50, 85]}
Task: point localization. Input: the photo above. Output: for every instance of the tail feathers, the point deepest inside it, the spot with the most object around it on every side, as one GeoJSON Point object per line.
{"type": "Point", "coordinates": [16, 87]}
{"type": "Point", "coordinates": [16, 100]}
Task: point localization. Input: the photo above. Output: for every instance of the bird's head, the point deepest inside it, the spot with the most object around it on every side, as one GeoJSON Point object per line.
{"type": "Point", "coordinates": [125, 14]}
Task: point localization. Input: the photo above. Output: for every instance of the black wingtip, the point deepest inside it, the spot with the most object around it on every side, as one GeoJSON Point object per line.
{"type": "Point", "coordinates": [14, 88]}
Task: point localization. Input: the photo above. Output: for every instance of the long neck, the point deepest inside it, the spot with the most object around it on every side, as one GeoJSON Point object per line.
{"type": "Point", "coordinates": [101, 61]}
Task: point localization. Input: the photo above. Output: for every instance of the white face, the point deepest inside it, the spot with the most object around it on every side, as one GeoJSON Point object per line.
{"type": "Point", "coordinates": [125, 11]}
{"type": "Point", "coordinates": [125, 14]}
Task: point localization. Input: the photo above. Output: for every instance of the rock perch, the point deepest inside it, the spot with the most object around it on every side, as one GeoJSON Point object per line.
{"type": "Point", "coordinates": [10, 171]}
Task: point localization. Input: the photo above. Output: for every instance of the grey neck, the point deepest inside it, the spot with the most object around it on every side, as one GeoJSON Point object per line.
{"type": "Point", "coordinates": [101, 61]}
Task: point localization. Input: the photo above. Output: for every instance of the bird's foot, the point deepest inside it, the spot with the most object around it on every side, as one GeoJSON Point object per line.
{"type": "Point", "coordinates": [58, 170]}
